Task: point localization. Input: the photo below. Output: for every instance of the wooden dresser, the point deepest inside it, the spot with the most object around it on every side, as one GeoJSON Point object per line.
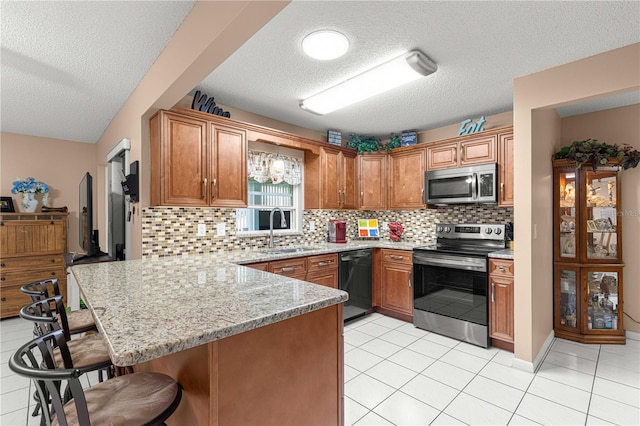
{"type": "Point", "coordinates": [32, 247]}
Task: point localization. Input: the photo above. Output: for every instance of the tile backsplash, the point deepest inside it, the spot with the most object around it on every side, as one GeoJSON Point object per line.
{"type": "Point", "coordinates": [171, 231]}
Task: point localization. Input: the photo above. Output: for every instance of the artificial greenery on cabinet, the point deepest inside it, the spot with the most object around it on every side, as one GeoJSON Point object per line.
{"type": "Point", "coordinates": [598, 153]}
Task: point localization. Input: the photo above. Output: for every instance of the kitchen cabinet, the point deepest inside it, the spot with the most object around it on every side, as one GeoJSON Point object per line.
{"type": "Point", "coordinates": [501, 303]}
{"type": "Point", "coordinates": [32, 248]}
{"type": "Point", "coordinates": [372, 188]}
{"type": "Point", "coordinates": [588, 268]}
{"type": "Point", "coordinates": [406, 178]}
{"type": "Point", "coordinates": [339, 177]}
{"type": "Point", "coordinates": [295, 267]}
{"type": "Point", "coordinates": [396, 283]}
{"type": "Point", "coordinates": [198, 163]}
{"type": "Point", "coordinates": [323, 269]}
{"type": "Point", "coordinates": [505, 169]}
{"type": "Point", "coordinates": [461, 152]}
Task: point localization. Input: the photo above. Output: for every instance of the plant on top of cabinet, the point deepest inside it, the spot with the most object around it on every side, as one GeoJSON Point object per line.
{"type": "Point", "coordinates": [364, 143]}
{"type": "Point", "coordinates": [394, 142]}
{"type": "Point", "coordinates": [598, 154]}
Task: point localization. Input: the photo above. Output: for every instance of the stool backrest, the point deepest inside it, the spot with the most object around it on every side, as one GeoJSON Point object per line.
{"type": "Point", "coordinates": [42, 289]}
{"type": "Point", "coordinates": [47, 315]}
{"type": "Point", "coordinates": [48, 378]}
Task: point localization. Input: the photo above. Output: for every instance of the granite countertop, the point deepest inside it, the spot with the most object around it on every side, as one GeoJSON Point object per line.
{"type": "Point", "coordinates": [149, 308]}
{"type": "Point", "coordinates": [502, 254]}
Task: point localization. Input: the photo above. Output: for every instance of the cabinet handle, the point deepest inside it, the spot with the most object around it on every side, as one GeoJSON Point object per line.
{"type": "Point", "coordinates": [395, 256]}
{"type": "Point", "coordinates": [53, 261]}
{"type": "Point", "coordinates": [501, 268]}
{"type": "Point", "coordinates": [214, 194]}
{"type": "Point", "coordinates": [289, 268]}
{"type": "Point", "coordinates": [361, 198]}
{"type": "Point", "coordinates": [324, 263]}
{"type": "Point", "coordinates": [502, 191]}
{"type": "Point", "coordinates": [410, 278]}
{"type": "Point", "coordinates": [53, 273]}
{"type": "Point", "coordinates": [493, 289]}
{"type": "Point", "coordinates": [2, 265]}
{"type": "Point", "coordinates": [2, 279]}
{"type": "Point", "coordinates": [4, 299]}
{"type": "Point", "coordinates": [204, 189]}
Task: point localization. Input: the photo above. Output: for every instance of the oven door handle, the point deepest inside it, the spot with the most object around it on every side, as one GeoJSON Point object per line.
{"type": "Point", "coordinates": [474, 186]}
{"type": "Point", "coordinates": [453, 262]}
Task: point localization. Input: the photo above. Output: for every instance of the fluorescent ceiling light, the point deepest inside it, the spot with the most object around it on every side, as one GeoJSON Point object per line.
{"type": "Point", "coordinates": [325, 44]}
{"type": "Point", "coordinates": [401, 70]}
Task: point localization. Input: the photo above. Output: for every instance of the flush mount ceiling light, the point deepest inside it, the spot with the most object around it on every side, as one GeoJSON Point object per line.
{"type": "Point", "coordinates": [396, 72]}
{"type": "Point", "coordinates": [325, 44]}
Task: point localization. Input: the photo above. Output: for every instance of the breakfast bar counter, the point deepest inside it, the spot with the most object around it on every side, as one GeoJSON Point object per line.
{"type": "Point", "coordinates": [248, 347]}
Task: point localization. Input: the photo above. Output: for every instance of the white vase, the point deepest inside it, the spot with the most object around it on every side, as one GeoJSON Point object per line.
{"type": "Point", "coordinates": [29, 202]}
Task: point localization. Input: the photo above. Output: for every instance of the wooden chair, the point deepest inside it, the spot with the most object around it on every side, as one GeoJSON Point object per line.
{"type": "Point", "coordinates": [132, 399]}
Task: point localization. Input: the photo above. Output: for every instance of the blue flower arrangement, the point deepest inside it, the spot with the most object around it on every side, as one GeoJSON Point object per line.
{"type": "Point", "coordinates": [29, 185]}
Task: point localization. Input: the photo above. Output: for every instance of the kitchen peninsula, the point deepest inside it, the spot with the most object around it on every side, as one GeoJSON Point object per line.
{"type": "Point", "coordinates": [247, 346]}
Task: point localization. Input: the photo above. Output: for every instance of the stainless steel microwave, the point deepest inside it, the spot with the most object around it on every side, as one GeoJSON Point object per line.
{"type": "Point", "coordinates": [462, 185]}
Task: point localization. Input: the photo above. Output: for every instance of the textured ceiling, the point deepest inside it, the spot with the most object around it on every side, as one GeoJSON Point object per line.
{"type": "Point", "coordinates": [68, 67]}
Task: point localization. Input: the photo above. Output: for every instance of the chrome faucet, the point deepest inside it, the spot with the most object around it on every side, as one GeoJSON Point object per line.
{"type": "Point", "coordinates": [283, 223]}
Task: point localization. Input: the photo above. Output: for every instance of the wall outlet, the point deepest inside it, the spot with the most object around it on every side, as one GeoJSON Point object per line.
{"type": "Point", "coordinates": [202, 229]}
{"type": "Point", "coordinates": [312, 226]}
{"type": "Point", "coordinates": [385, 226]}
{"type": "Point", "coordinates": [202, 277]}
{"type": "Point", "coordinates": [221, 229]}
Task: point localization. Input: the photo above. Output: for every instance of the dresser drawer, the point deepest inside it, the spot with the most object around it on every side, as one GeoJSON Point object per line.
{"type": "Point", "coordinates": [501, 267]}
{"type": "Point", "coordinates": [12, 300]}
{"type": "Point", "coordinates": [289, 267]}
{"type": "Point", "coordinates": [19, 278]}
{"type": "Point", "coordinates": [397, 256]}
{"type": "Point", "coordinates": [322, 262]}
{"type": "Point", "coordinates": [29, 262]}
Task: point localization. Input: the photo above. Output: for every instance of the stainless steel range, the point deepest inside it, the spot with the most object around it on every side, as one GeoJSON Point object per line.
{"type": "Point", "coordinates": [451, 281]}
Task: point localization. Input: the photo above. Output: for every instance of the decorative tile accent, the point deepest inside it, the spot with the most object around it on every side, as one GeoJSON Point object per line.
{"type": "Point", "coordinates": [170, 231]}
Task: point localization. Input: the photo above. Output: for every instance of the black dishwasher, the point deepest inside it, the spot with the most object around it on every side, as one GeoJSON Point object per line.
{"type": "Point", "coordinates": [355, 279]}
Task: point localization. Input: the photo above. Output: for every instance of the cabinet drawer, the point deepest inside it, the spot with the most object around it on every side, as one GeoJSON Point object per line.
{"type": "Point", "coordinates": [20, 278]}
{"type": "Point", "coordinates": [397, 256]}
{"type": "Point", "coordinates": [12, 300]}
{"type": "Point", "coordinates": [322, 262]}
{"type": "Point", "coordinates": [501, 267]}
{"type": "Point", "coordinates": [289, 267]}
{"type": "Point", "coordinates": [40, 262]}
{"type": "Point", "coordinates": [260, 266]}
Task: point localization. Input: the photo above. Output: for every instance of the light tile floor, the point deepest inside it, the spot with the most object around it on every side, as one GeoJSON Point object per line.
{"type": "Point", "coordinates": [398, 374]}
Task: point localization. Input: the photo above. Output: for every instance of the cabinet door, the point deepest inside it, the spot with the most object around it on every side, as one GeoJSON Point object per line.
{"type": "Point", "coordinates": [185, 172]}
{"type": "Point", "coordinates": [505, 170]}
{"type": "Point", "coordinates": [328, 278]}
{"type": "Point", "coordinates": [331, 182]}
{"type": "Point", "coordinates": [229, 165]}
{"type": "Point", "coordinates": [349, 176]}
{"type": "Point", "coordinates": [396, 287]}
{"type": "Point", "coordinates": [501, 308]}
{"type": "Point", "coordinates": [442, 156]}
{"type": "Point", "coordinates": [603, 295]}
{"type": "Point", "coordinates": [295, 268]}
{"type": "Point", "coordinates": [372, 182]}
{"type": "Point", "coordinates": [478, 151]}
{"type": "Point", "coordinates": [406, 178]}
{"type": "Point", "coordinates": [33, 237]}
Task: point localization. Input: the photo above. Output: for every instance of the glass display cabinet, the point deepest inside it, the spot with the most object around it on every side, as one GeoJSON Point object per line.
{"type": "Point", "coordinates": [587, 253]}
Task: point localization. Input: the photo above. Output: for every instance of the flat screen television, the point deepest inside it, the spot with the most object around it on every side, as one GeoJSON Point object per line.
{"type": "Point", "coordinates": [89, 241]}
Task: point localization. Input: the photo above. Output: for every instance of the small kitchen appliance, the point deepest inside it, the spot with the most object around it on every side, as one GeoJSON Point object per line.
{"type": "Point", "coordinates": [451, 282]}
{"type": "Point", "coordinates": [337, 231]}
{"type": "Point", "coordinates": [462, 185]}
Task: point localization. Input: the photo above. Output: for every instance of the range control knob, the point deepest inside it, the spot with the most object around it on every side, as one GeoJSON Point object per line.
{"type": "Point", "coordinates": [439, 229]}
{"type": "Point", "coordinates": [487, 231]}
{"type": "Point", "coordinates": [498, 231]}
{"type": "Point", "coordinates": [447, 229]}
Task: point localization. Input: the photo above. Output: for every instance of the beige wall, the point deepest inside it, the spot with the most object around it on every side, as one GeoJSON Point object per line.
{"type": "Point", "coordinates": [58, 163]}
{"type": "Point", "coordinates": [537, 135]}
{"type": "Point", "coordinates": [618, 126]}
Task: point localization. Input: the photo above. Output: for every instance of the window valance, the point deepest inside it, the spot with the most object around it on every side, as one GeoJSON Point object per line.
{"type": "Point", "coordinates": [266, 166]}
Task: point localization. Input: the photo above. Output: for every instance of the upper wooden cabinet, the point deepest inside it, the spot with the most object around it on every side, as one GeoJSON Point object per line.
{"type": "Point", "coordinates": [462, 152]}
{"type": "Point", "coordinates": [195, 162]}
{"type": "Point", "coordinates": [339, 177]}
{"type": "Point", "coordinates": [372, 190]}
{"type": "Point", "coordinates": [505, 169]}
{"type": "Point", "coordinates": [406, 178]}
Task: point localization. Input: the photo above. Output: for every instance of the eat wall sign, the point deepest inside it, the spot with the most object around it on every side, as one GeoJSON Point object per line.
{"type": "Point", "coordinates": [468, 127]}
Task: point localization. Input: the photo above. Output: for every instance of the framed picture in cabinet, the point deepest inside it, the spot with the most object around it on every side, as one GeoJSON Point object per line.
{"type": "Point", "coordinates": [6, 205]}
{"type": "Point", "coordinates": [591, 226]}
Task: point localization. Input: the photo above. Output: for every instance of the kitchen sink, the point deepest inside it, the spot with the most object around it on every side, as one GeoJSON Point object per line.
{"type": "Point", "coordinates": [287, 250]}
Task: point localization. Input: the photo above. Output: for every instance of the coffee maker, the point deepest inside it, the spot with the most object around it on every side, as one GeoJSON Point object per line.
{"type": "Point", "coordinates": [337, 231]}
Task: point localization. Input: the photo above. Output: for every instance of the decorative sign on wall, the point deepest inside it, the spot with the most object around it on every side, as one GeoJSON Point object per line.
{"type": "Point", "coordinates": [368, 228]}
{"type": "Point", "coordinates": [201, 103]}
{"type": "Point", "coordinates": [409, 137]}
{"type": "Point", "coordinates": [467, 128]}
{"type": "Point", "coordinates": [334, 137]}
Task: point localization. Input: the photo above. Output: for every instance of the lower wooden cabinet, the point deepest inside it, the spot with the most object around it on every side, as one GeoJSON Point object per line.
{"type": "Point", "coordinates": [396, 283]}
{"type": "Point", "coordinates": [501, 303]}
{"type": "Point", "coordinates": [321, 269]}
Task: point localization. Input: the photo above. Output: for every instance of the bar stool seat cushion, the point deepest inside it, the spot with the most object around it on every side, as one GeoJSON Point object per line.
{"type": "Point", "coordinates": [87, 350]}
{"type": "Point", "coordinates": [132, 399]}
{"type": "Point", "coordinates": [80, 321]}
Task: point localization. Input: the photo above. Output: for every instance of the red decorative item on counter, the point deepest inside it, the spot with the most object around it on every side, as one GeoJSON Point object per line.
{"type": "Point", "coordinates": [395, 231]}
